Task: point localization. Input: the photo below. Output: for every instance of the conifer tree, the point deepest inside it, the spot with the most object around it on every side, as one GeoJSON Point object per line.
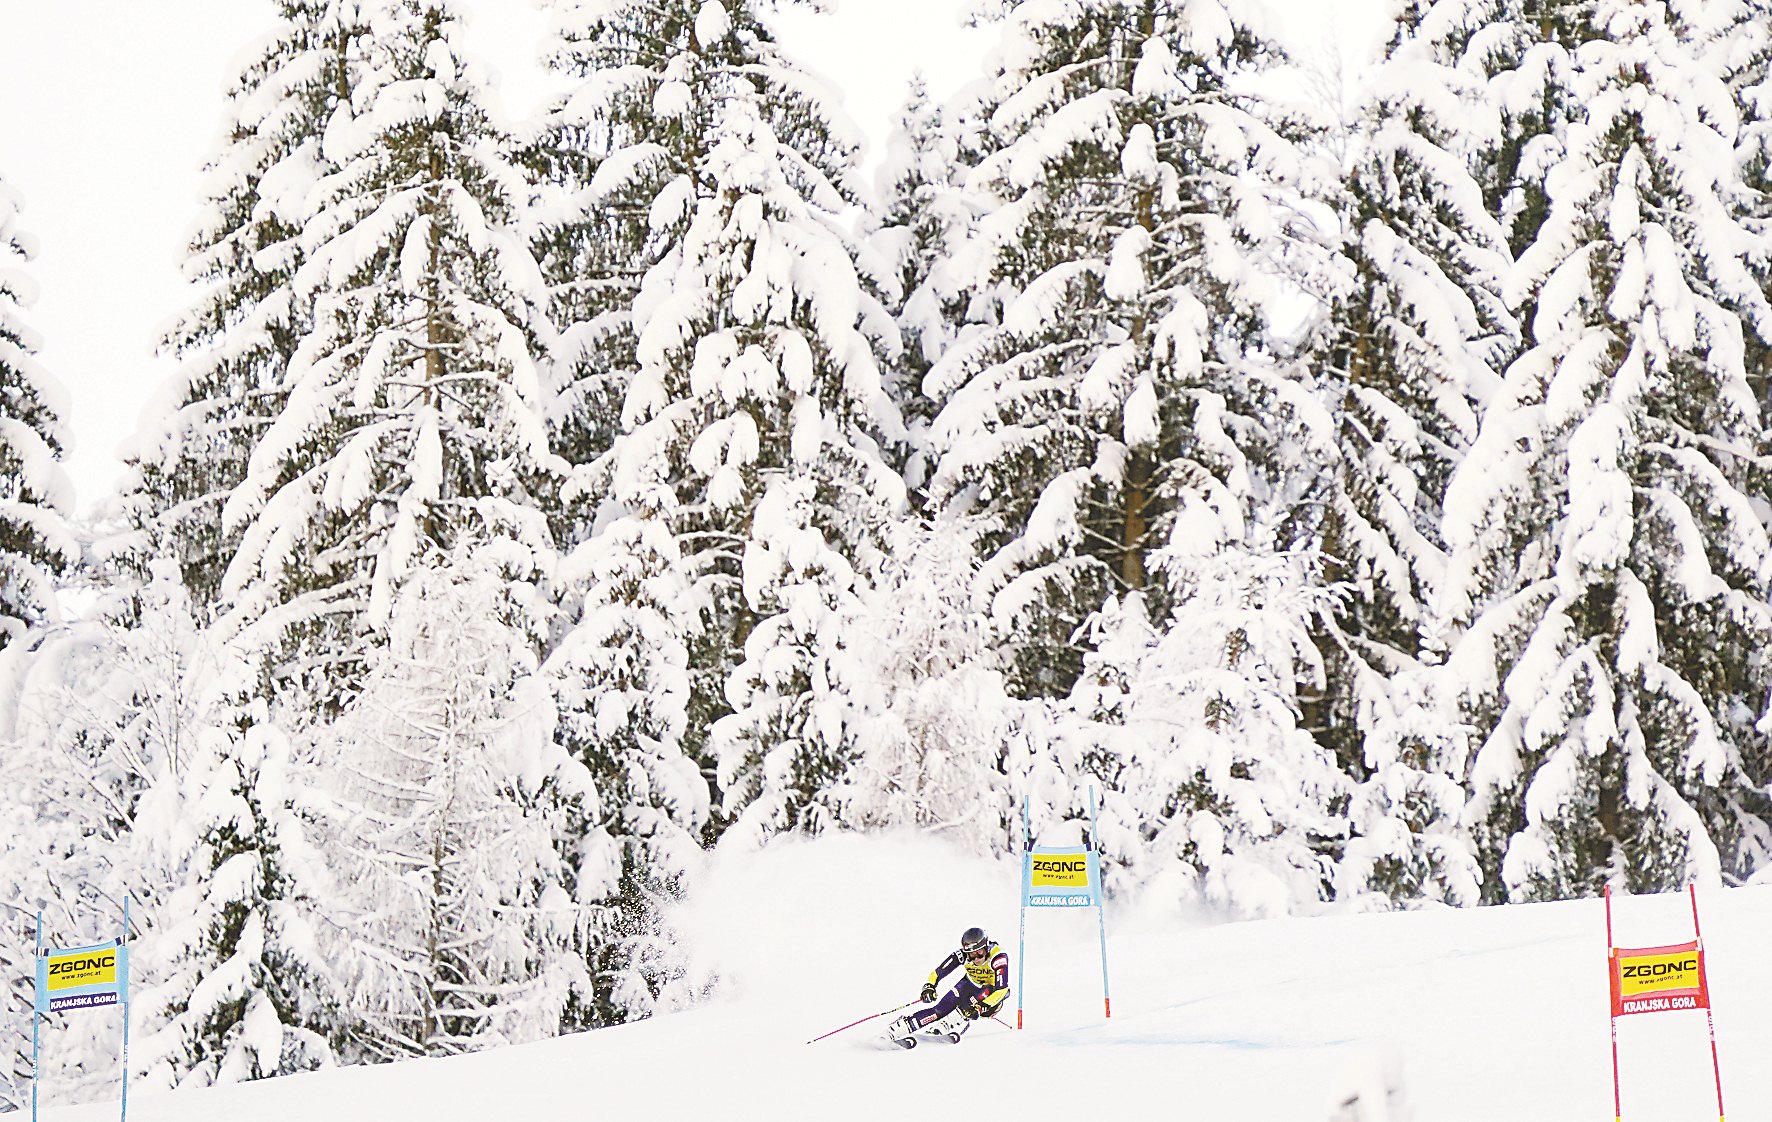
{"type": "Point", "coordinates": [932, 716]}
{"type": "Point", "coordinates": [36, 543]}
{"type": "Point", "coordinates": [1135, 206]}
{"type": "Point", "coordinates": [109, 724]}
{"type": "Point", "coordinates": [413, 418]}
{"type": "Point", "coordinates": [1522, 53]}
{"type": "Point", "coordinates": [741, 341]}
{"type": "Point", "coordinates": [621, 683]}
{"type": "Point", "coordinates": [616, 163]}
{"type": "Point", "coordinates": [1608, 555]}
{"type": "Point", "coordinates": [1132, 426]}
{"type": "Point", "coordinates": [760, 384]}
{"type": "Point", "coordinates": [923, 216]}
{"type": "Point", "coordinates": [1214, 792]}
{"type": "Point", "coordinates": [235, 345]}
{"type": "Point", "coordinates": [1420, 336]}
{"type": "Point", "coordinates": [237, 989]}
{"type": "Point", "coordinates": [1742, 51]}
{"type": "Point", "coordinates": [455, 926]}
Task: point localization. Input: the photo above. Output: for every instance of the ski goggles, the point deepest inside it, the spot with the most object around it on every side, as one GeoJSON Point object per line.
{"type": "Point", "coordinates": [976, 952]}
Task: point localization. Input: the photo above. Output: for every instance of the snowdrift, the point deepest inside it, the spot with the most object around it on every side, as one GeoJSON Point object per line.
{"type": "Point", "coordinates": [1436, 1016]}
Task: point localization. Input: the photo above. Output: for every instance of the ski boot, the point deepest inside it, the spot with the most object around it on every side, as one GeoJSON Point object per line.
{"type": "Point", "coordinates": [952, 1027]}
{"type": "Point", "coordinates": [902, 1033]}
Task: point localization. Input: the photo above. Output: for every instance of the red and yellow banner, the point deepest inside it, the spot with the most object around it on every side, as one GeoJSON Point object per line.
{"type": "Point", "coordinates": [1658, 979]}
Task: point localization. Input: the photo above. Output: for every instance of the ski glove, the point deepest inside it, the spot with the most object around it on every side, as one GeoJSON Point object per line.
{"type": "Point", "coordinates": [970, 1010]}
{"type": "Point", "coordinates": [928, 994]}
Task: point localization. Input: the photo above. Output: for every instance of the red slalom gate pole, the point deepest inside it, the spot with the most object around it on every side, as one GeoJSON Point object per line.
{"type": "Point", "coordinates": [1710, 1017]}
{"type": "Point", "coordinates": [1612, 973]}
{"type": "Point", "coordinates": [866, 1019]}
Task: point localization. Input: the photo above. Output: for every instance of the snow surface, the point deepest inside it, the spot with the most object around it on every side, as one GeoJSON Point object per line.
{"type": "Point", "coordinates": [1434, 1016]}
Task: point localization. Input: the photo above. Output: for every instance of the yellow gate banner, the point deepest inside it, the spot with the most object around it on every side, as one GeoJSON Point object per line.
{"type": "Point", "coordinates": [1061, 877]}
{"type": "Point", "coordinates": [70, 978]}
{"type": "Point", "coordinates": [82, 978]}
{"type": "Point", "coordinates": [1658, 979]}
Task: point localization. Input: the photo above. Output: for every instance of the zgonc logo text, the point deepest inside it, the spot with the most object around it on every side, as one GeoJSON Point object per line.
{"type": "Point", "coordinates": [1661, 971]}
{"type": "Point", "coordinates": [82, 965]}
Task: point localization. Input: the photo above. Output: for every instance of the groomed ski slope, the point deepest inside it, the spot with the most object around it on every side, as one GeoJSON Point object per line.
{"type": "Point", "coordinates": [1486, 1015]}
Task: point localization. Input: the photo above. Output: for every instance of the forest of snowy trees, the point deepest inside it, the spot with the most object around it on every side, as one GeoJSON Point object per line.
{"type": "Point", "coordinates": [1372, 501]}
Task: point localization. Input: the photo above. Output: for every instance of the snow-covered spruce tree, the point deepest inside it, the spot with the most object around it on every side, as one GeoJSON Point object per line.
{"type": "Point", "coordinates": [930, 714]}
{"type": "Point", "coordinates": [1611, 565]}
{"type": "Point", "coordinates": [1139, 437]}
{"type": "Point", "coordinates": [413, 417]}
{"type": "Point", "coordinates": [760, 380]}
{"type": "Point", "coordinates": [1743, 50]}
{"type": "Point", "coordinates": [1520, 52]}
{"type": "Point", "coordinates": [23, 866]}
{"type": "Point", "coordinates": [1135, 224]}
{"type": "Point", "coordinates": [236, 342]}
{"type": "Point", "coordinates": [621, 679]}
{"type": "Point", "coordinates": [923, 215]}
{"type": "Point", "coordinates": [620, 160]}
{"type": "Point", "coordinates": [1419, 338]}
{"type": "Point", "coordinates": [36, 544]}
{"type": "Point", "coordinates": [71, 785]}
{"type": "Point", "coordinates": [454, 926]}
{"type": "Point", "coordinates": [240, 990]}
{"type": "Point", "coordinates": [617, 163]}
{"type": "Point", "coordinates": [238, 993]}
{"type": "Point", "coordinates": [231, 986]}
{"type": "Point", "coordinates": [724, 174]}
{"type": "Point", "coordinates": [113, 725]}
{"type": "Point", "coordinates": [1214, 791]}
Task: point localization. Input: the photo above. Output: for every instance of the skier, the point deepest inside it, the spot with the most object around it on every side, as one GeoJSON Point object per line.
{"type": "Point", "coordinates": [980, 992]}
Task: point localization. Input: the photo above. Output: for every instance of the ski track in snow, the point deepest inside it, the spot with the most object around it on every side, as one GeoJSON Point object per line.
{"type": "Point", "coordinates": [1466, 1016]}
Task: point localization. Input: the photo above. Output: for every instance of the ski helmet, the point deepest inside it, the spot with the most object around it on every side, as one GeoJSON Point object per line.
{"type": "Point", "coordinates": [974, 940]}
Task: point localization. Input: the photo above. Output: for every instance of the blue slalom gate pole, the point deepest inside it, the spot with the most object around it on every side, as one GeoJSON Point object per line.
{"type": "Point", "coordinates": [125, 995]}
{"type": "Point", "coordinates": [36, 1018]}
{"type": "Point", "coordinates": [1021, 954]}
{"type": "Point", "coordinates": [1107, 1004]}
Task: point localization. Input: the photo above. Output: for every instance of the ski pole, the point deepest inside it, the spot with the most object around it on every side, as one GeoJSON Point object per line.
{"type": "Point", "coordinates": [869, 1017]}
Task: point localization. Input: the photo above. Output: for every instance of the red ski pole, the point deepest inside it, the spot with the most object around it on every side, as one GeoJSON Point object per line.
{"type": "Point", "coordinates": [869, 1017]}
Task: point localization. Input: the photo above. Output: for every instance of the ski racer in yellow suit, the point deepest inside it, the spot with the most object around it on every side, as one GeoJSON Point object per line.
{"type": "Point", "coordinates": [979, 993]}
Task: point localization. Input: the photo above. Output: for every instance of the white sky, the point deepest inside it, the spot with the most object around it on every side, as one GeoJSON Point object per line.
{"type": "Point", "coordinates": [109, 109]}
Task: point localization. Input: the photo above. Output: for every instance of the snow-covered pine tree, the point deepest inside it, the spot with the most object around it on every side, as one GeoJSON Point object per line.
{"type": "Point", "coordinates": [923, 215]}
{"type": "Point", "coordinates": [1418, 340]}
{"type": "Point", "coordinates": [617, 166]}
{"type": "Point", "coordinates": [1521, 53]}
{"type": "Point", "coordinates": [240, 990]}
{"type": "Point", "coordinates": [1743, 53]}
{"type": "Point", "coordinates": [222, 872]}
{"type": "Point", "coordinates": [1611, 563]}
{"type": "Point", "coordinates": [746, 357]}
{"type": "Point", "coordinates": [1518, 53]}
{"type": "Point", "coordinates": [621, 679]}
{"type": "Point", "coordinates": [414, 415]}
{"type": "Point", "coordinates": [111, 724]}
{"type": "Point", "coordinates": [454, 926]}
{"type": "Point", "coordinates": [1136, 431]}
{"type": "Point", "coordinates": [760, 383]}
{"type": "Point", "coordinates": [235, 344]}
{"type": "Point", "coordinates": [1134, 228]}
{"type": "Point", "coordinates": [623, 153]}
{"type": "Point", "coordinates": [1214, 791]}
{"type": "Point", "coordinates": [36, 543]}
{"type": "Point", "coordinates": [931, 716]}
